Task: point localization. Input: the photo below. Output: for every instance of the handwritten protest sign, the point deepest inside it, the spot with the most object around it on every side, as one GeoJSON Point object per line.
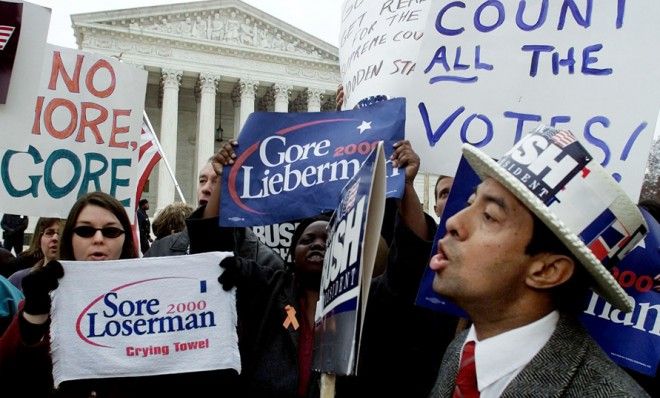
{"type": "Point", "coordinates": [294, 165]}
{"type": "Point", "coordinates": [488, 71]}
{"type": "Point", "coordinates": [632, 340]}
{"type": "Point", "coordinates": [379, 44]}
{"type": "Point", "coordinates": [142, 317]}
{"type": "Point", "coordinates": [78, 134]}
{"type": "Point", "coordinates": [353, 234]}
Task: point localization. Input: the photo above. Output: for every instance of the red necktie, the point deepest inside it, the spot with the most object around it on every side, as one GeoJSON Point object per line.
{"type": "Point", "coordinates": [466, 380]}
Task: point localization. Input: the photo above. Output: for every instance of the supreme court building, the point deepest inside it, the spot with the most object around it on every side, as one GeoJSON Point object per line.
{"type": "Point", "coordinates": [210, 65]}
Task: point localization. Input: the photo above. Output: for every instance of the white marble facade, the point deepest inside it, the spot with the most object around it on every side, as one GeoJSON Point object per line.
{"type": "Point", "coordinates": [210, 65]}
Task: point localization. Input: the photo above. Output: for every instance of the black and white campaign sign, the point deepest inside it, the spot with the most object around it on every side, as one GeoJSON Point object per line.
{"type": "Point", "coordinates": [353, 236]}
{"type": "Point", "coordinates": [490, 70]}
{"type": "Point", "coordinates": [276, 236]}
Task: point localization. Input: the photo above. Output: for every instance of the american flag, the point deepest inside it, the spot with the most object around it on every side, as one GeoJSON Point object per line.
{"type": "Point", "coordinates": [147, 158]}
{"type": "Point", "coordinates": [349, 197]}
{"type": "Point", "coordinates": [149, 154]}
{"type": "Point", "coordinates": [5, 33]}
{"type": "Point", "coordinates": [563, 138]}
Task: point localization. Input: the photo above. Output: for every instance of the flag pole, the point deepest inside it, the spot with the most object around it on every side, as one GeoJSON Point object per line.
{"type": "Point", "coordinates": [167, 164]}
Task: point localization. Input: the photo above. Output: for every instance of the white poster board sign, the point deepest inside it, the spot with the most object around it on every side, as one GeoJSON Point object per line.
{"type": "Point", "coordinates": [379, 42]}
{"type": "Point", "coordinates": [78, 134]}
{"type": "Point", "coordinates": [142, 317]}
{"type": "Point", "coordinates": [490, 71]}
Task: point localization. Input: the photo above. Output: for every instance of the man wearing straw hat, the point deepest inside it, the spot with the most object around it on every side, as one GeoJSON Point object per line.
{"type": "Point", "coordinates": [546, 223]}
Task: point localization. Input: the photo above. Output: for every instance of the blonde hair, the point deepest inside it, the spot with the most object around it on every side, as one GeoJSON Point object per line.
{"type": "Point", "coordinates": [171, 219]}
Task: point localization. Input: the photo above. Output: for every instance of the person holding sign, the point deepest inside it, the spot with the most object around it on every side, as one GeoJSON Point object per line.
{"type": "Point", "coordinates": [276, 307]}
{"type": "Point", "coordinates": [97, 229]}
{"type": "Point", "coordinates": [241, 240]}
{"type": "Point", "coordinates": [545, 223]}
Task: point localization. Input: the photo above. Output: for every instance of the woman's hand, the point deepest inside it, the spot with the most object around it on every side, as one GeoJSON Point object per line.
{"type": "Point", "coordinates": [37, 286]}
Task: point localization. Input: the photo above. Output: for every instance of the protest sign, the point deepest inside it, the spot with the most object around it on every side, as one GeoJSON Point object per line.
{"type": "Point", "coordinates": [276, 236]}
{"type": "Point", "coordinates": [142, 317]}
{"type": "Point", "coordinates": [23, 31]}
{"type": "Point", "coordinates": [632, 340]}
{"type": "Point", "coordinates": [80, 133]}
{"type": "Point", "coordinates": [489, 70]}
{"type": "Point", "coordinates": [467, 180]}
{"type": "Point", "coordinates": [354, 231]}
{"type": "Point", "coordinates": [11, 15]}
{"type": "Point", "coordinates": [378, 46]}
{"type": "Point", "coordinates": [293, 165]}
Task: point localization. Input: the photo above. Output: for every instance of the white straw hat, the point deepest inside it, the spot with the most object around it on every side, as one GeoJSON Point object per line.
{"type": "Point", "coordinates": [557, 179]}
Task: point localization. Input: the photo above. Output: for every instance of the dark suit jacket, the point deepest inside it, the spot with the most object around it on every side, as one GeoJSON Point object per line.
{"type": "Point", "coordinates": [571, 364]}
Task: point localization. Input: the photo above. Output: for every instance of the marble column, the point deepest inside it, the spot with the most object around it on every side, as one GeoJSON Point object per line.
{"type": "Point", "coordinates": [205, 142]}
{"type": "Point", "coordinates": [248, 88]}
{"type": "Point", "coordinates": [282, 94]}
{"type": "Point", "coordinates": [170, 82]}
{"type": "Point", "coordinates": [236, 100]}
{"type": "Point", "coordinates": [314, 99]}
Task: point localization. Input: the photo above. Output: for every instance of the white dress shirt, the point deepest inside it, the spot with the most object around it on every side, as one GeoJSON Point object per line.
{"type": "Point", "coordinates": [500, 358]}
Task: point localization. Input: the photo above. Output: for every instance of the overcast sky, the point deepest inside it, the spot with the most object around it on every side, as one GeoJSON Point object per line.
{"type": "Point", "coordinates": [316, 17]}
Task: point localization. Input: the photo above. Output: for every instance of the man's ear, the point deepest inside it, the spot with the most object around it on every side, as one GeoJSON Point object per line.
{"type": "Point", "coordinates": [549, 270]}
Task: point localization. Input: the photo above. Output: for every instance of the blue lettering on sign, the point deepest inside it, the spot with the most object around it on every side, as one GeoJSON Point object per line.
{"type": "Point", "coordinates": [597, 141]}
{"type": "Point", "coordinates": [587, 59]}
{"type": "Point", "coordinates": [500, 16]}
{"type": "Point", "coordinates": [522, 118]}
{"type": "Point", "coordinates": [631, 140]}
{"type": "Point", "coordinates": [438, 20]}
{"type": "Point", "coordinates": [555, 120]}
{"type": "Point", "coordinates": [582, 17]}
{"type": "Point", "coordinates": [582, 20]}
{"type": "Point", "coordinates": [434, 136]}
{"type": "Point", "coordinates": [620, 12]}
{"type": "Point", "coordinates": [11, 189]}
{"type": "Point", "coordinates": [93, 176]}
{"type": "Point", "coordinates": [53, 189]}
{"type": "Point", "coordinates": [569, 61]}
{"type": "Point", "coordinates": [543, 15]}
{"type": "Point", "coordinates": [536, 52]}
{"type": "Point", "coordinates": [440, 57]}
{"type": "Point", "coordinates": [119, 182]}
{"type": "Point", "coordinates": [489, 130]}
{"type": "Point", "coordinates": [80, 177]}
{"type": "Point", "coordinates": [141, 317]}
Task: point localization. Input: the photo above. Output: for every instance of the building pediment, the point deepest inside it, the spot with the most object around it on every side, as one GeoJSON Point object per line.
{"type": "Point", "coordinates": [224, 23]}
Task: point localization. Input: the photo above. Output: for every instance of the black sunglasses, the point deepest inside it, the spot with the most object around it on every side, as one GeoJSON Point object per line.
{"type": "Point", "coordinates": [85, 231]}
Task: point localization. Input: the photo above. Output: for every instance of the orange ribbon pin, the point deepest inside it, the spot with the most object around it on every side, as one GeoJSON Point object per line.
{"type": "Point", "coordinates": [290, 318]}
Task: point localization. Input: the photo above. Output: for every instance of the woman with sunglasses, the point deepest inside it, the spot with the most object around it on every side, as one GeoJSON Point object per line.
{"type": "Point", "coordinates": [44, 247]}
{"type": "Point", "coordinates": [97, 229]}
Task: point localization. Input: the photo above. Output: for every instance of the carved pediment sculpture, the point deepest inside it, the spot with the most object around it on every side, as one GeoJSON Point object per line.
{"type": "Point", "coordinates": [227, 26]}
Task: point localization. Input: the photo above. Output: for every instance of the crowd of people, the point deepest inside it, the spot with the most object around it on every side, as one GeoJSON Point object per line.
{"type": "Point", "coordinates": [503, 259]}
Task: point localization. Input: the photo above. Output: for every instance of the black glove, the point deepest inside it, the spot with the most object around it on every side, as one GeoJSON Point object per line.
{"type": "Point", "coordinates": [236, 269]}
{"type": "Point", "coordinates": [38, 284]}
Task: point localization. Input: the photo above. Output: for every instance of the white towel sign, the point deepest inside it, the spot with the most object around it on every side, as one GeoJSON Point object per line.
{"type": "Point", "coordinates": [142, 317]}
